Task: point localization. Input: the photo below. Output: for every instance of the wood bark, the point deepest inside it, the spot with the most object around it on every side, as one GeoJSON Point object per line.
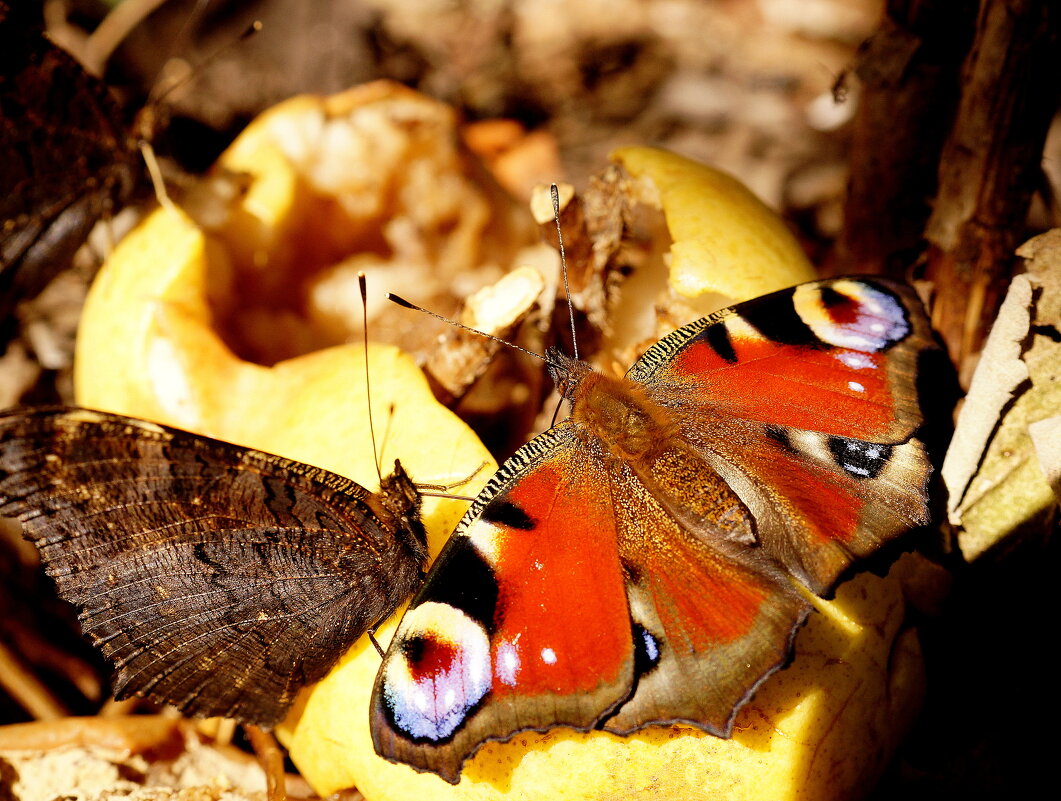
{"type": "Point", "coordinates": [990, 165]}
{"type": "Point", "coordinates": [909, 72]}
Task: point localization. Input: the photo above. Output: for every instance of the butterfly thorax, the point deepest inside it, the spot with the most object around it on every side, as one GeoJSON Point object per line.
{"type": "Point", "coordinates": [645, 436]}
{"type": "Point", "coordinates": [400, 497]}
{"type": "Point", "coordinates": [620, 414]}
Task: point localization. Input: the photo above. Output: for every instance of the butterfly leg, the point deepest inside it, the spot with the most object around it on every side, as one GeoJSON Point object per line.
{"type": "Point", "coordinates": [372, 639]}
{"type": "Point", "coordinates": [458, 483]}
{"type": "Point", "coordinates": [272, 761]}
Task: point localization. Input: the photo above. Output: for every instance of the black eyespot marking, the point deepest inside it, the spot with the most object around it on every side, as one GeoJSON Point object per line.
{"type": "Point", "coordinates": [717, 337]}
{"type": "Point", "coordinates": [413, 649]}
{"type": "Point", "coordinates": [860, 459]}
{"type": "Point", "coordinates": [780, 436]}
{"type": "Point", "coordinates": [831, 298]}
{"type": "Point", "coordinates": [475, 594]}
{"type": "Point", "coordinates": [506, 513]}
{"type": "Point", "coordinates": [647, 649]}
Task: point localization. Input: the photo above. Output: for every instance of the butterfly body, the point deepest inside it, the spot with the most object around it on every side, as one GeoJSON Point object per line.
{"type": "Point", "coordinates": [217, 578]}
{"type": "Point", "coordinates": [641, 561]}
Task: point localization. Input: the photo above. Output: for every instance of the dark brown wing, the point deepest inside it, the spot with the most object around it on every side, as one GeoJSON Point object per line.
{"type": "Point", "coordinates": [67, 160]}
{"type": "Point", "coordinates": [216, 578]}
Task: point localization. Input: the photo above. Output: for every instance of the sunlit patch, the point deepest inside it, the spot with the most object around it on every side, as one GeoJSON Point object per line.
{"type": "Point", "coordinates": [439, 674]}
{"type": "Point", "coordinates": [851, 314]}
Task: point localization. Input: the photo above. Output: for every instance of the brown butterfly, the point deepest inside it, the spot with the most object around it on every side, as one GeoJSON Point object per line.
{"type": "Point", "coordinates": [217, 578]}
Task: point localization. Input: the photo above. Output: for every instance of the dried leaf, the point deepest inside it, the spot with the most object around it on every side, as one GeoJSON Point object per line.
{"type": "Point", "coordinates": [997, 471]}
{"type": "Point", "coordinates": [462, 357]}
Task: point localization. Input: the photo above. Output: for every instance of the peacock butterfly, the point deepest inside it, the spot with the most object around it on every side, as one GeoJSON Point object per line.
{"type": "Point", "coordinates": [217, 578]}
{"type": "Point", "coordinates": [647, 560]}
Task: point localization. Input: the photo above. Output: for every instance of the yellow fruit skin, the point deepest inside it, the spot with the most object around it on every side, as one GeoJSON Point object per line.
{"type": "Point", "coordinates": [725, 240]}
{"type": "Point", "coordinates": [820, 729]}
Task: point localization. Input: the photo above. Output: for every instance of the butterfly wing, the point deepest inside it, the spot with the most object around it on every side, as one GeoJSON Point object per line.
{"type": "Point", "coordinates": [216, 578]}
{"type": "Point", "coordinates": [806, 401]}
{"type": "Point", "coordinates": [565, 587]}
{"type": "Point", "coordinates": [497, 640]}
{"type": "Point", "coordinates": [712, 617]}
{"type": "Point", "coordinates": [66, 159]}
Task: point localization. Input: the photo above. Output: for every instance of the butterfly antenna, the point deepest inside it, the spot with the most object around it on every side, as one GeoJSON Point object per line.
{"type": "Point", "coordinates": [154, 171]}
{"type": "Point", "coordinates": [368, 383]}
{"type": "Point", "coordinates": [554, 193]}
{"type": "Point", "coordinates": [147, 119]}
{"type": "Point", "coordinates": [403, 302]}
{"type": "Point", "coordinates": [157, 94]}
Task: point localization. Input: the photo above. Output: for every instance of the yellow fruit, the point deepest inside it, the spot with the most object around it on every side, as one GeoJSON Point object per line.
{"type": "Point", "coordinates": [725, 240]}
{"type": "Point", "coordinates": [821, 729]}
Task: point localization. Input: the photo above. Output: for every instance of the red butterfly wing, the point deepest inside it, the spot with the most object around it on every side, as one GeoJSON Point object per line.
{"type": "Point", "coordinates": [523, 623]}
{"type": "Point", "coordinates": [839, 357]}
{"type": "Point", "coordinates": [805, 400]}
{"type": "Point", "coordinates": [821, 503]}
